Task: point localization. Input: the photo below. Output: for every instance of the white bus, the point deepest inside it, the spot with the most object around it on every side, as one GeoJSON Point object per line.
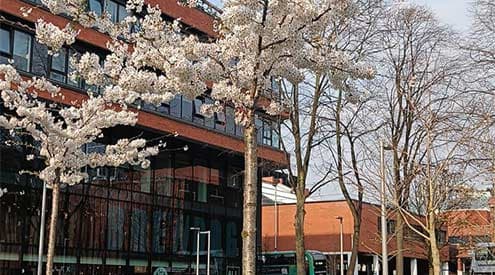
{"type": "Point", "coordinates": [483, 259]}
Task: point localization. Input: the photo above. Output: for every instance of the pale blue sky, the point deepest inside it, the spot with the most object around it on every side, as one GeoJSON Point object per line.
{"type": "Point", "coordinates": [453, 12]}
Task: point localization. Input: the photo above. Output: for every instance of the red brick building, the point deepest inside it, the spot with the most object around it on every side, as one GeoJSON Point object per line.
{"type": "Point", "coordinates": [322, 233]}
{"type": "Point", "coordinates": [465, 229]}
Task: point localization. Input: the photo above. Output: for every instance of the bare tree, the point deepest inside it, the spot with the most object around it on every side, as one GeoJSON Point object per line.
{"type": "Point", "coordinates": [302, 128]}
{"type": "Point", "coordinates": [417, 65]}
{"type": "Point", "coordinates": [345, 123]}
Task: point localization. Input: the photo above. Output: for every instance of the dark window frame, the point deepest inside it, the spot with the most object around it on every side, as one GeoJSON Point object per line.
{"type": "Point", "coordinates": [10, 55]}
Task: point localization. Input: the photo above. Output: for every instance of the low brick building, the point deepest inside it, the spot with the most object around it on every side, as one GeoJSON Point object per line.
{"type": "Point", "coordinates": [322, 233]}
{"type": "Point", "coordinates": [466, 229]}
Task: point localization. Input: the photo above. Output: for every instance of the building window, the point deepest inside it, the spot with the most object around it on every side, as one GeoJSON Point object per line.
{"type": "Point", "coordinates": [275, 135]}
{"type": "Point", "coordinates": [4, 46]}
{"type": "Point", "coordinates": [267, 133]}
{"type": "Point", "coordinates": [230, 120]}
{"type": "Point", "coordinates": [176, 106]}
{"type": "Point", "coordinates": [60, 68]}
{"type": "Point", "coordinates": [187, 110]}
{"type": "Point", "coordinates": [231, 242]}
{"type": "Point", "coordinates": [139, 230]}
{"type": "Point", "coordinates": [115, 226]}
{"type": "Point", "coordinates": [259, 129]}
{"type": "Point", "coordinates": [22, 50]}
{"type": "Point", "coordinates": [197, 106]}
{"type": "Point", "coordinates": [16, 45]}
{"type": "Point", "coordinates": [198, 116]}
{"type": "Point", "coordinates": [220, 121]}
{"type": "Point", "coordinates": [390, 226]}
{"type": "Point", "coordinates": [115, 10]}
{"type": "Point", "coordinates": [209, 120]}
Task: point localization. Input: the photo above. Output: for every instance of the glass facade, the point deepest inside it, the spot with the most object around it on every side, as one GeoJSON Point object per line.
{"type": "Point", "coordinates": [32, 57]}
{"type": "Point", "coordinates": [127, 220]}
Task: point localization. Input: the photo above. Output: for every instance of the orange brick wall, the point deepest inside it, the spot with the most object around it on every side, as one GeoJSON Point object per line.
{"type": "Point", "coordinates": [322, 230]}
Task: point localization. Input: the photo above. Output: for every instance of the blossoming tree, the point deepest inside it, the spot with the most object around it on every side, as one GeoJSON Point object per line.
{"type": "Point", "coordinates": [61, 132]}
{"type": "Point", "coordinates": [152, 60]}
{"type": "Point", "coordinates": [259, 41]}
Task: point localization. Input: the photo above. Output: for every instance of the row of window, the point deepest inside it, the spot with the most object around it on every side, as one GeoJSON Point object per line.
{"type": "Point", "coordinates": [115, 9]}
{"type": "Point", "coordinates": [411, 234]}
{"type": "Point", "coordinates": [30, 56]}
{"type": "Point", "coordinates": [95, 224]}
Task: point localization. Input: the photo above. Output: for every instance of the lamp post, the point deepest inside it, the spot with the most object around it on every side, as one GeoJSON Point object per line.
{"type": "Point", "coordinates": [383, 212]}
{"type": "Point", "coordinates": [42, 230]}
{"type": "Point", "coordinates": [198, 234]}
{"type": "Point", "coordinates": [341, 245]}
{"type": "Point", "coordinates": [276, 217]}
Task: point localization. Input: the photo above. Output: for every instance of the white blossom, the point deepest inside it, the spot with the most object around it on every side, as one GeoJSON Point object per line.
{"type": "Point", "coordinates": [62, 134]}
{"type": "Point", "coordinates": [54, 37]}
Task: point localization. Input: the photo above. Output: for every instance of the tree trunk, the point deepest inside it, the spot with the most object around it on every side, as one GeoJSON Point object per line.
{"type": "Point", "coordinates": [399, 236]}
{"type": "Point", "coordinates": [299, 228]}
{"type": "Point", "coordinates": [355, 247]}
{"type": "Point", "coordinates": [53, 229]}
{"type": "Point", "coordinates": [434, 251]}
{"type": "Point", "coordinates": [250, 193]}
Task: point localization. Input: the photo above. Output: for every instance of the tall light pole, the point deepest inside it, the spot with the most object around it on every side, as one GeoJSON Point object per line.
{"type": "Point", "coordinates": [341, 245]}
{"type": "Point", "coordinates": [198, 234]}
{"type": "Point", "coordinates": [198, 230]}
{"type": "Point", "coordinates": [42, 230]}
{"type": "Point", "coordinates": [383, 212]}
{"type": "Point", "coordinates": [276, 217]}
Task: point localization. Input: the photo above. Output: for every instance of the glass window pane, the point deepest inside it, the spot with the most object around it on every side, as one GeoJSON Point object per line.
{"type": "Point", "coordinates": [22, 50]}
{"type": "Point", "coordinates": [4, 41]}
{"type": "Point", "coordinates": [139, 230]}
{"type": "Point", "coordinates": [112, 9]}
{"type": "Point", "coordinates": [267, 133]}
{"type": "Point", "coordinates": [209, 121]}
{"type": "Point", "coordinates": [122, 13]}
{"type": "Point", "coordinates": [230, 120]}
{"type": "Point", "coordinates": [216, 237]}
{"type": "Point", "coordinates": [259, 128]}
{"type": "Point", "coordinates": [231, 249]}
{"type": "Point", "coordinates": [201, 171]}
{"type": "Point", "coordinates": [175, 106]}
{"type": "Point", "coordinates": [202, 192]}
{"type": "Point", "coordinates": [115, 226]}
{"type": "Point", "coordinates": [4, 60]}
{"type": "Point", "coordinates": [160, 224]}
{"type": "Point", "coordinates": [220, 117]}
{"type": "Point", "coordinates": [163, 174]}
{"type": "Point", "coordinates": [76, 82]}
{"type": "Point", "coordinates": [197, 106]}
{"type": "Point", "coordinates": [95, 5]}
{"type": "Point", "coordinates": [57, 77]}
{"type": "Point", "coordinates": [275, 135]}
{"type": "Point", "coordinates": [186, 108]}
{"type": "Point", "coordinates": [163, 109]}
{"type": "Point", "coordinates": [59, 61]}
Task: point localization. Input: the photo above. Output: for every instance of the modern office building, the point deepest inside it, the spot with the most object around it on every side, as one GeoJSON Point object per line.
{"type": "Point", "coordinates": [129, 220]}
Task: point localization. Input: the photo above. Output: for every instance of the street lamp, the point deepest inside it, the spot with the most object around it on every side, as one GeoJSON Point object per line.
{"type": "Point", "coordinates": [383, 212]}
{"type": "Point", "coordinates": [42, 230]}
{"type": "Point", "coordinates": [276, 216]}
{"type": "Point", "coordinates": [198, 234]}
{"type": "Point", "coordinates": [341, 245]}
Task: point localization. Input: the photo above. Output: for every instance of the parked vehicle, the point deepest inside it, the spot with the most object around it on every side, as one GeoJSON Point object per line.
{"type": "Point", "coordinates": [284, 263]}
